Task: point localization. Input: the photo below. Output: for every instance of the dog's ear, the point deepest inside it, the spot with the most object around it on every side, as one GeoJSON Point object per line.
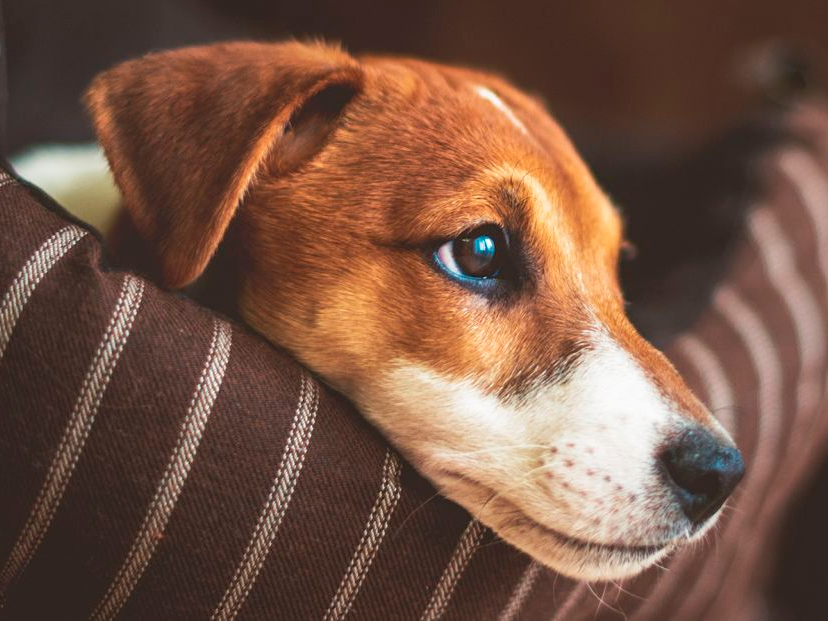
{"type": "Point", "coordinates": [186, 131]}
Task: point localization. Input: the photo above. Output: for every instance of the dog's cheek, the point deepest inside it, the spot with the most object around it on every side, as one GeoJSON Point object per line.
{"type": "Point", "coordinates": [432, 418]}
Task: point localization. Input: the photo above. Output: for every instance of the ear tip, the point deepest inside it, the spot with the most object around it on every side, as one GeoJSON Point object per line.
{"type": "Point", "coordinates": [176, 279]}
{"type": "Point", "coordinates": [100, 105]}
{"type": "Point", "coordinates": [177, 276]}
{"type": "Point", "coordinates": [95, 94]}
{"type": "Point", "coordinates": [180, 266]}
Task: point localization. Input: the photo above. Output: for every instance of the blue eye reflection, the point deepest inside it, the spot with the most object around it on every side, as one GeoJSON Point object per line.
{"type": "Point", "coordinates": [483, 248]}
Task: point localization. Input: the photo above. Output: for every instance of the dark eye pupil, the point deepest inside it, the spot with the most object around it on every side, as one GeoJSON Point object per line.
{"type": "Point", "coordinates": [476, 255]}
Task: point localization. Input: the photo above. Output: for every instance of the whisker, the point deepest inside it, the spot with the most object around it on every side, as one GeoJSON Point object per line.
{"type": "Point", "coordinates": [407, 518]}
{"type": "Point", "coordinates": [627, 591]}
{"type": "Point", "coordinates": [601, 601]}
{"type": "Point", "coordinates": [525, 481]}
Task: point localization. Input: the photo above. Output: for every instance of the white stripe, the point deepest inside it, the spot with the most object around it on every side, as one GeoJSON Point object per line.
{"type": "Point", "coordinates": [524, 587]}
{"type": "Point", "coordinates": [811, 185]}
{"type": "Point", "coordinates": [500, 105]}
{"type": "Point", "coordinates": [466, 547]}
{"type": "Point", "coordinates": [780, 266]}
{"type": "Point", "coordinates": [575, 596]}
{"type": "Point", "coordinates": [74, 436]}
{"type": "Point", "coordinates": [714, 379]}
{"type": "Point", "coordinates": [30, 275]}
{"type": "Point", "coordinates": [174, 477]}
{"type": "Point", "coordinates": [277, 503]}
{"type": "Point", "coordinates": [370, 541]}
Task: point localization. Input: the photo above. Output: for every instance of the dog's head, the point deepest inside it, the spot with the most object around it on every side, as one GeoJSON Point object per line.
{"type": "Point", "coordinates": [427, 240]}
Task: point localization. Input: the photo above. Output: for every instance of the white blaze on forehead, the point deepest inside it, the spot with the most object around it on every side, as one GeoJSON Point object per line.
{"type": "Point", "coordinates": [498, 103]}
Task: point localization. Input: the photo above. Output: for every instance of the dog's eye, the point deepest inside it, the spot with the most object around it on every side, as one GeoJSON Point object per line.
{"type": "Point", "coordinates": [479, 254]}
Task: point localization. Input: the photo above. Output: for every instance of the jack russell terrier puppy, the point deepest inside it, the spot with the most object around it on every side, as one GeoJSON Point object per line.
{"type": "Point", "coordinates": [427, 240]}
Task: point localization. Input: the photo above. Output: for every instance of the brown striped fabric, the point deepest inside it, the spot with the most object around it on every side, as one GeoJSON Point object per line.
{"type": "Point", "coordinates": [372, 538]}
{"type": "Point", "coordinates": [466, 547]}
{"type": "Point", "coordinates": [30, 275]}
{"type": "Point", "coordinates": [175, 475]}
{"type": "Point", "coordinates": [75, 434]}
{"type": "Point", "coordinates": [159, 462]}
{"type": "Point", "coordinates": [267, 526]}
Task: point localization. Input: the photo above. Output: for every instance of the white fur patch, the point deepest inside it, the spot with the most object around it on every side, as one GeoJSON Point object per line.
{"type": "Point", "coordinates": [577, 457]}
{"type": "Point", "coordinates": [498, 103]}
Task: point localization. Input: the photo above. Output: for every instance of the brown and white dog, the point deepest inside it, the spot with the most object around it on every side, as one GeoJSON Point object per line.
{"type": "Point", "coordinates": [427, 240]}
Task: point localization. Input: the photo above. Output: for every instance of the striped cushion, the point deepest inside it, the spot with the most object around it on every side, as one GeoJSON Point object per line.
{"type": "Point", "coordinates": [158, 461]}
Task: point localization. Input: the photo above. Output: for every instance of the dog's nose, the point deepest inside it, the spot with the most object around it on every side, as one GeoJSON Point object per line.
{"type": "Point", "coordinates": [704, 470]}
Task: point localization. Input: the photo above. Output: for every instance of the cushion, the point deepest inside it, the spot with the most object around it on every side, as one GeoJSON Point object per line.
{"type": "Point", "coordinates": [158, 460]}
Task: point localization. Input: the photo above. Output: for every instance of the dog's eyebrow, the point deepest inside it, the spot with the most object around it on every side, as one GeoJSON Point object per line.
{"type": "Point", "coordinates": [511, 198]}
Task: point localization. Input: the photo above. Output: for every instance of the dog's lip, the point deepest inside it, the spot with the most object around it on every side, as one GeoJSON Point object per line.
{"type": "Point", "coordinates": [582, 545]}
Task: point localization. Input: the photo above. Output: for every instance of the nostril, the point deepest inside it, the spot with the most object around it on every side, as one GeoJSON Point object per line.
{"type": "Point", "coordinates": [704, 472]}
{"type": "Point", "coordinates": [708, 484]}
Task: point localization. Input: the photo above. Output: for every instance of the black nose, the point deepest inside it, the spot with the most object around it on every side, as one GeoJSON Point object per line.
{"type": "Point", "coordinates": [704, 470]}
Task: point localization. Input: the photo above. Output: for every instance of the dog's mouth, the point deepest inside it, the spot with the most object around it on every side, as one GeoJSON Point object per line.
{"type": "Point", "coordinates": [631, 553]}
{"type": "Point", "coordinates": [598, 552]}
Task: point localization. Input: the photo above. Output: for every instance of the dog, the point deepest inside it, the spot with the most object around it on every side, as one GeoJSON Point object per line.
{"type": "Point", "coordinates": [427, 240]}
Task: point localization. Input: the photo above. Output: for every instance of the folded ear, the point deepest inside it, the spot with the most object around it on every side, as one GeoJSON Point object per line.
{"type": "Point", "coordinates": [186, 131]}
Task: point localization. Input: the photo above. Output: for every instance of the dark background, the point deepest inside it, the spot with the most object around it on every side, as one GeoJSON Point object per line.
{"type": "Point", "coordinates": [646, 74]}
{"type": "Point", "coordinates": [649, 90]}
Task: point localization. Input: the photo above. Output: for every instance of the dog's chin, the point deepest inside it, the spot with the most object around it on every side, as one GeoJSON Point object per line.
{"type": "Point", "coordinates": [572, 556]}
{"type": "Point", "coordinates": [578, 558]}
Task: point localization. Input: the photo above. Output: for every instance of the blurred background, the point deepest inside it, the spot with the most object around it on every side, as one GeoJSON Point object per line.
{"type": "Point", "coordinates": [642, 87]}
{"type": "Point", "coordinates": [643, 75]}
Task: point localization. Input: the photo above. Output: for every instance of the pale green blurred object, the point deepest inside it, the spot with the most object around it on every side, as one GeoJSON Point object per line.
{"type": "Point", "coordinates": [77, 176]}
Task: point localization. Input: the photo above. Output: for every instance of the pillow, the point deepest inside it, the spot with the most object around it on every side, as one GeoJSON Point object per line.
{"type": "Point", "coordinates": [160, 461]}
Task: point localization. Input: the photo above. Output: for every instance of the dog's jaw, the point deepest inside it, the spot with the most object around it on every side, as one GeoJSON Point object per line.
{"type": "Point", "coordinates": [568, 471]}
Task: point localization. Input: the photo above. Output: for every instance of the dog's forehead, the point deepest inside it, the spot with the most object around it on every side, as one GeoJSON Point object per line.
{"type": "Point", "coordinates": [437, 127]}
{"type": "Point", "coordinates": [461, 104]}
